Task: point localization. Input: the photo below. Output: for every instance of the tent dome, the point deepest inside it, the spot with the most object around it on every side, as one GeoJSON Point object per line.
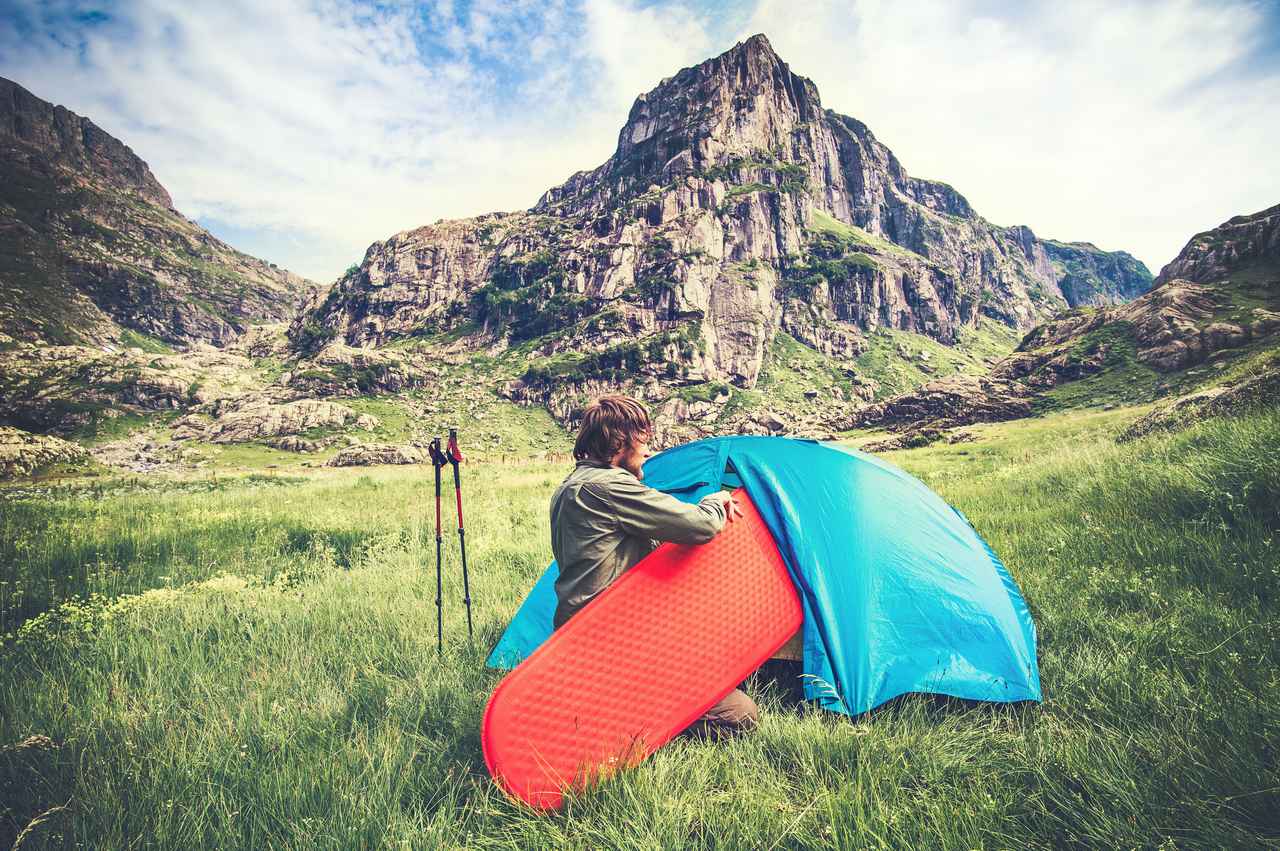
{"type": "Point", "coordinates": [900, 594]}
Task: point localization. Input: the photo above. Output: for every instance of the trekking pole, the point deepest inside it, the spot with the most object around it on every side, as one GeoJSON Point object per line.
{"type": "Point", "coordinates": [438, 460]}
{"type": "Point", "coordinates": [455, 455]}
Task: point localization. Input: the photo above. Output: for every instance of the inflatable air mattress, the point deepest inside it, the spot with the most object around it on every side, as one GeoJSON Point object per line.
{"type": "Point", "coordinates": [641, 662]}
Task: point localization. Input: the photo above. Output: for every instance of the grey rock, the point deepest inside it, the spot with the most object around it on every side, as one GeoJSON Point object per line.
{"type": "Point", "coordinates": [292, 418]}
{"type": "Point", "coordinates": [367, 454]}
{"type": "Point", "coordinates": [946, 402]}
{"type": "Point", "coordinates": [23, 453]}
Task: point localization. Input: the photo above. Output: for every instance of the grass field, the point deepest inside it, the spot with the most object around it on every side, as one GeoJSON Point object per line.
{"type": "Point", "coordinates": [260, 668]}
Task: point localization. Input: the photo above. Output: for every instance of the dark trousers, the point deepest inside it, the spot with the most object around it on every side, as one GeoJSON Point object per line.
{"type": "Point", "coordinates": [734, 714]}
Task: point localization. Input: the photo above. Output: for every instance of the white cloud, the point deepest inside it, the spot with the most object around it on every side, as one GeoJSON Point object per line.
{"type": "Point", "coordinates": [636, 48]}
{"type": "Point", "coordinates": [341, 125]}
{"type": "Point", "coordinates": [289, 117]}
{"type": "Point", "coordinates": [1085, 120]}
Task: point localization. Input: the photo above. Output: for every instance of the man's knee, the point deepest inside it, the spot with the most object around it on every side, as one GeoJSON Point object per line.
{"type": "Point", "coordinates": [736, 713]}
{"type": "Point", "coordinates": [735, 710]}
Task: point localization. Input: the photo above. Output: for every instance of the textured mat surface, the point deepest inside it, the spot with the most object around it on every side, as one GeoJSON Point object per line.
{"type": "Point", "coordinates": [641, 662]}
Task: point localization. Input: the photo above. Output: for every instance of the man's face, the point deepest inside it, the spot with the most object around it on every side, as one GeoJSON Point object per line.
{"type": "Point", "coordinates": [632, 456]}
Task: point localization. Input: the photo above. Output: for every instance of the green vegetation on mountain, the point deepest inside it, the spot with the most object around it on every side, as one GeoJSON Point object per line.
{"type": "Point", "coordinates": [900, 360]}
{"type": "Point", "coordinates": [852, 236]}
{"type": "Point", "coordinates": [1238, 300]}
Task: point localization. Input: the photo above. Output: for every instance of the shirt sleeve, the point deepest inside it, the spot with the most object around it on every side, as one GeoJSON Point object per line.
{"type": "Point", "coordinates": [650, 513]}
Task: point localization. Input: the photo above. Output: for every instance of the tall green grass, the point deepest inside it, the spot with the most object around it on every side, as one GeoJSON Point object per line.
{"type": "Point", "coordinates": [300, 703]}
{"type": "Point", "coordinates": [127, 538]}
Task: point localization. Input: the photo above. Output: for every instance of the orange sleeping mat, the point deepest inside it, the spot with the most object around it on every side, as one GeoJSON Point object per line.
{"type": "Point", "coordinates": [640, 662]}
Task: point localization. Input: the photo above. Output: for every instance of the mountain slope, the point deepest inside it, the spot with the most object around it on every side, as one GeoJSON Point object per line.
{"type": "Point", "coordinates": [735, 208]}
{"type": "Point", "coordinates": [1212, 317]}
{"type": "Point", "coordinates": [92, 251]}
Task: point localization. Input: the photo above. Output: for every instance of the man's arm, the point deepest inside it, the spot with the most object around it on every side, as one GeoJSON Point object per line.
{"type": "Point", "coordinates": [645, 512]}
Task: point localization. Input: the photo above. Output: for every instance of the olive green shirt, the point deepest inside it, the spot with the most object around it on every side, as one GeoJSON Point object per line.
{"type": "Point", "coordinates": [604, 520]}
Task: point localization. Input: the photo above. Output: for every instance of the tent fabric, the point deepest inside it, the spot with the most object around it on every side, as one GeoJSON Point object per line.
{"type": "Point", "coordinates": [900, 593]}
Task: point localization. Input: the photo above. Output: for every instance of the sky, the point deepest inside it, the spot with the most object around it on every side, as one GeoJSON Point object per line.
{"type": "Point", "coordinates": [301, 131]}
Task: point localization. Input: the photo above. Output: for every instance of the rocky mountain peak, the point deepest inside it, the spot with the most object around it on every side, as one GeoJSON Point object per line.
{"type": "Point", "coordinates": [738, 104]}
{"type": "Point", "coordinates": [735, 216]}
{"type": "Point", "coordinates": [61, 138]}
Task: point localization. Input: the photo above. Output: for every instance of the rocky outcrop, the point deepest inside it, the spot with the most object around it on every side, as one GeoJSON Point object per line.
{"type": "Point", "coordinates": [1239, 397]}
{"type": "Point", "coordinates": [1170, 328]}
{"type": "Point", "coordinates": [1228, 301]}
{"type": "Point", "coordinates": [367, 454]}
{"type": "Point", "coordinates": [1221, 293]}
{"type": "Point", "coordinates": [145, 452]}
{"type": "Point", "coordinates": [23, 453]}
{"type": "Point", "coordinates": [64, 389]}
{"type": "Point", "coordinates": [258, 421]}
{"type": "Point", "coordinates": [340, 370]}
{"type": "Point", "coordinates": [262, 341]}
{"type": "Point", "coordinates": [917, 438]}
{"type": "Point", "coordinates": [293, 443]}
{"type": "Point", "coordinates": [911, 440]}
{"type": "Point", "coordinates": [952, 401]}
{"type": "Point", "coordinates": [92, 248]}
{"type": "Point", "coordinates": [734, 207]}
{"type": "Point", "coordinates": [1236, 244]}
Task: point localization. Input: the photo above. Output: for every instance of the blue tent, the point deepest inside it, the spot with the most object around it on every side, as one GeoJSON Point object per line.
{"type": "Point", "coordinates": [900, 593]}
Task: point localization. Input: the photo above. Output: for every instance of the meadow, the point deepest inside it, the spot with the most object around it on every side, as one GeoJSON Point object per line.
{"type": "Point", "coordinates": [251, 662]}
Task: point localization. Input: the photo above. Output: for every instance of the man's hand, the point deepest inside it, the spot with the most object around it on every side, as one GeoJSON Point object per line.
{"type": "Point", "coordinates": [731, 509]}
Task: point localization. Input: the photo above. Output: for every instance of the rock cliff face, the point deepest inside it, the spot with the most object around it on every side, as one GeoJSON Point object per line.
{"type": "Point", "coordinates": [734, 207]}
{"type": "Point", "coordinates": [1237, 244]}
{"type": "Point", "coordinates": [1219, 299]}
{"type": "Point", "coordinates": [63, 139]}
{"type": "Point", "coordinates": [92, 249]}
{"type": "Point", "coordinates": [1088, 276]}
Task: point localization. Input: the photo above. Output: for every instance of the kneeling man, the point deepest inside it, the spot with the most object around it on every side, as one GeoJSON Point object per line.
{"type": "Point", "coordinates": [604, 520]}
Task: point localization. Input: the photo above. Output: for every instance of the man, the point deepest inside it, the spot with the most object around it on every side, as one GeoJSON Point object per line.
{"type": "Point", "coordinates": [604, 520]}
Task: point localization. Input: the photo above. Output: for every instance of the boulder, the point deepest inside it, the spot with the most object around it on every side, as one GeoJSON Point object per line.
{"type": "Point", "coordinates": [368, 454]}
{"type": "Point", "coordinates": [293, 443]}
{"type": "Point", "coordinates": [951, 401]}
{"type": "Point", "coordinates": [340, 370]}
{"type": "Point", "coordinates": [1223, 335]}
{"type": "Point", "coordinates": [23, 453]}
{"type": "Point", "coordinates": [270, 420]}
{"type": "Point", "coordinates": [912, 439]}
{"type": "Point", "coordinates": [62, 388]}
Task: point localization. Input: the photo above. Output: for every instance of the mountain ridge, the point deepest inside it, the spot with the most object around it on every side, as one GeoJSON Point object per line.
{"type": "Point", "coordinates": [75, 142]}
{"type": "Point", "coordinates": [93, 252]}
{"type": "Point", "coordinates": [1213, 316]}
